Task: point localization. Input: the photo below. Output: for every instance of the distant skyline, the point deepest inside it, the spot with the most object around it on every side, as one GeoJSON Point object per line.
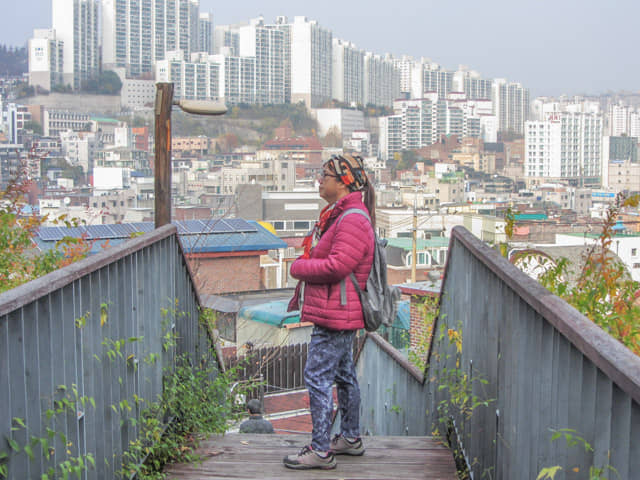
{"type": "Point", "coordinates": [551, 47]}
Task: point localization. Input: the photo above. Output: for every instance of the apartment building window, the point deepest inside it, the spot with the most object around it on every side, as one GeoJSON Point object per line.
{"type": "Point", "coordinates": [634, 252]}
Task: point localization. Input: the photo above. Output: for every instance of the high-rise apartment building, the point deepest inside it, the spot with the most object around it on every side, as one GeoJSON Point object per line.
{"type": "Point", "coordinates": [565, 146]}
{"type": "Point", "coordinates": [381, 80]}
{"type": "Point", "coordinates": [390, 136]}
{"type": "Point", "coordinates": [623, 120]}
{"type": "Point", "coordinates": [76, 25]}
{"type": "Point", "coordinates": [205, 33]}
{"type": "Point", "coordinates": [175, 23]}
{"type": "Point", "coordinates": [127, 35]}
{"type": "Point", "coordinates": [473, 86]}
{"type": "Point", "coordinates": [436, 79]}
{"type": "Point", "coordinates": [266, 44]}
{"type": "Point", "coordinates": [138, 33]}
{"type": "Point", "coordinates": [285, 27]}
{"type": "Point", "coordinates": [417, 123]}
{"type": "Point", "coordinates": [199, 79]}
{"type": "Point", "coordinates": [311, 62]}
{"type": "Point", "coordinates": [45, 59]}
{"type": "Point", "coordinates": [511, 105]}
{"type": "Point", "coordinates": [348, 73]}
{"type": "Point", "coordinates": [226, 40]}
{"type": "Point", "coordinates": [404, 65]}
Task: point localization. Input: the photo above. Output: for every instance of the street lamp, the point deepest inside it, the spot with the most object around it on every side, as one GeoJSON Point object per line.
{"type": "Point", "coordinates": [162, 134]}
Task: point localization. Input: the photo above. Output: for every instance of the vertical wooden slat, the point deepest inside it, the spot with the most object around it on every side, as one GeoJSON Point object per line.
{"type": "Point", "coordinates": [18, 395]}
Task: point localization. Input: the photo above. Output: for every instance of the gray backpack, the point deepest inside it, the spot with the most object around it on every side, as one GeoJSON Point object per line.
{"type": "Point", "coordinates": [378, 299]}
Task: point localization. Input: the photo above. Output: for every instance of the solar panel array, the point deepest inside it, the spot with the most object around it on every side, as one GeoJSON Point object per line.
{"type": "Point", "coordinates": [126, 230]}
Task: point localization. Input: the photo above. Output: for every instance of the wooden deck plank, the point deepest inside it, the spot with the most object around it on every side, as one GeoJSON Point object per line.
{"type": "Point", "coordinates": [250, 456]}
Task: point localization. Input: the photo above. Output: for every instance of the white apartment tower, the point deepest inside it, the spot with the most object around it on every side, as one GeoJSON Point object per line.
{"type": "Point", "coordinates": [404, 66]}
{"type": "Point", "coordinates": [435, 79]}
{"type": "Point", "coordinates": [469, 82]}
{"type": "Point", "coordinates": [226, 40]}
{"type": "Point", "coordinates": [266, 43]}
{"type": "Point", "coordinates": [285, 27]}
{"type": "Point", "coordinates": [511, 105]}
{"type": "Point", "coordinates": [175, 26]}
{"type": "Point", "coordinates": [417, 123]}
{"type": "Point", "coordinates": [76, 25]}
{"type": "Point", "coordinates": [348, 73]}
{"type": "Point", "coordinates": [199, 79]}
{"type": "Point", "coordinates": [45, 59]}
{"type": "Point", "coordinates": [311, 62]}
{"type": "Point", "coordinates": [624, 120]}
{"type": "Point", "coordinates": [138, 33]}
{"type": "Point", "coordinates": [127, 35]}
{"type": "Point", "coordinates": [205, 33]}
{"type": "Point", "coordinates": [565, 146]}
{"type": "Point", "coordinates": [381, 80]}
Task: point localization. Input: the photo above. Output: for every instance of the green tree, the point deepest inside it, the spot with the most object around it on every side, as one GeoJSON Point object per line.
{"type": "Point", "coordinates": [106, 83]}
{"type": "Point", "coordinates": [34, 126]}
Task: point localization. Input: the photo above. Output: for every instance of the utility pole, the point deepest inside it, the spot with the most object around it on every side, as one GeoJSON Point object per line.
{"type": "Point", "coordinates": [414, 247]}
{"type": "Point", "coordinates": [162, 165]}
{"type": "Point", "coordinates": [162, 133]}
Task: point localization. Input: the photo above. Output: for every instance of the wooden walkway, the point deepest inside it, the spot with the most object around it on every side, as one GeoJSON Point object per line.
{"type": "Point", "coordinates": [251, 456]}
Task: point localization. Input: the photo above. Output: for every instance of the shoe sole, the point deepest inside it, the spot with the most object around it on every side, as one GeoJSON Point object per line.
{"type": "Point", "coordinates": [311, 467]}
{"type": "Point", "coordinates": [353, 454]}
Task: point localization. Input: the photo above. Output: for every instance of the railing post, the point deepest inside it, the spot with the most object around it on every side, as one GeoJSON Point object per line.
{"type": "Point", "coordinates": [162, 165]}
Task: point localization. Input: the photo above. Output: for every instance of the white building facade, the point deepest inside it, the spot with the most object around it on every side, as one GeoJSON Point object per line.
{"type": "Point", "coordinates": [76, 25]}
{"type": "Point", "coordinates": [45, 59]}
{"type": "Point", "coordinates": [566, 146]}
{"type": "Point", "coordinates": [265, 43]}
{"type": "Point", "coordinates": [311, 62]}
{"type": "Point", "coordinates": [348, 73]}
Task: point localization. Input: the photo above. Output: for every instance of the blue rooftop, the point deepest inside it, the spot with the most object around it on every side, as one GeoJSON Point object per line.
{"type": "Point", "coordinates": [196, 236]}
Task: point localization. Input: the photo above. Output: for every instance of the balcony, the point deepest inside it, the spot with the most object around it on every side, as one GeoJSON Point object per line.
{"type": "Point", "coordinates": [509, 365]}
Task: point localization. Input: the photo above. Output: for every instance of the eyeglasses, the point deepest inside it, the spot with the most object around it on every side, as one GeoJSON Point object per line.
{"type": "Point", "coordinates": [324, 175]}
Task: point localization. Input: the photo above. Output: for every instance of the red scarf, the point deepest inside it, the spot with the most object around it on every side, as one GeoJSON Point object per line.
{"type": "Point", "coordinates": [316, 232]}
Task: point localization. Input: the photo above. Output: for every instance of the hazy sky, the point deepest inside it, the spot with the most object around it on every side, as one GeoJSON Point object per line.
{"type": "Point", "coordinates": [550, 46]}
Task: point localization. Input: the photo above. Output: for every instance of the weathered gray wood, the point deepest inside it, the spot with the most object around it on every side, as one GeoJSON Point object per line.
{"type": "Point", "coordinates": [555, 370]}
{"type": "Point", "coordinates": [54, 338]}
{"type": "Point", "coordinates": [260, 456]}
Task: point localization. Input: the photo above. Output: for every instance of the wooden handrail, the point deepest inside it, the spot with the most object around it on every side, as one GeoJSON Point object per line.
{"type": "Point", "coordinates": [28, 292]}
{"type": "Point", "coordinates": [618, 362]}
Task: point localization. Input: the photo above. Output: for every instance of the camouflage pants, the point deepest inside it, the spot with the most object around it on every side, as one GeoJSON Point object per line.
{"type": "Point", "coordinates": [330, 359]}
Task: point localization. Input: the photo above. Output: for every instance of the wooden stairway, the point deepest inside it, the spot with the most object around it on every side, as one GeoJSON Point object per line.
{"type": "Point", "coordinates": [252, 456]}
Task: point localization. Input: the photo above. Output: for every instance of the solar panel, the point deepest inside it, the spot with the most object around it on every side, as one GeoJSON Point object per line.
{"type": "Point", "coordinates": [182, 228]}
{"type": "Point", "coordinates": [196, 226]}
{"type": "Point", "coordinates": [50, 233]}
{"type": "Point", "coordinates": [241, 225]}
{"type": "Point", "coordinates": [220, 226]}
{"type": "Point", "coordinates": [122, 230]}
{"type": "Point", "coordinates": [101, 231]}
{"type": "Point", "coordinates": [144, 227]}
{"type": "Point", "coordinates": [76, 232]}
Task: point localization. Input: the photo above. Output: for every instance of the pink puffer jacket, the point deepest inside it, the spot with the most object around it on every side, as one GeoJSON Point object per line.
{"type": "Point", "coordinates": [345, 247]}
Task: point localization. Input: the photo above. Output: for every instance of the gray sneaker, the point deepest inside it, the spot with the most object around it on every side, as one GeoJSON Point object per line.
{"type": "Point", "coordinates": [307, 459]}
{"type": "Point", "coordinates": [341, 446]}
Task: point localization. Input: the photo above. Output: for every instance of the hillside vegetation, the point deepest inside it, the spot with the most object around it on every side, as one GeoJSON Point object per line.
{"type": "Point", "coordinates": [13, 60]}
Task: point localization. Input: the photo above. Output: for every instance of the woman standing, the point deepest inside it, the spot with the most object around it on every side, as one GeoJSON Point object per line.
{"type": "Point", "coordinates": [337, 246]}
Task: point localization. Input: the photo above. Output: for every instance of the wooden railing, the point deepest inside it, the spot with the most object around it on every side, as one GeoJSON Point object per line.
{"type": "Point", "coordinates": [509, 366]}
{"type": "Point", "coordinates": [83, 350]}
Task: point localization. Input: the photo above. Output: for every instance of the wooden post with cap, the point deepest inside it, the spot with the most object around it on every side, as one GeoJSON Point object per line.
{"type": "Point", "coordinates": [162, 165]}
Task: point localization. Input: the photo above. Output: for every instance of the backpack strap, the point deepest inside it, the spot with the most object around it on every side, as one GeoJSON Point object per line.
{"type": "Point", "coordinates": [343, 285]}
{"type": "Point", "coordinates": [354, 210]}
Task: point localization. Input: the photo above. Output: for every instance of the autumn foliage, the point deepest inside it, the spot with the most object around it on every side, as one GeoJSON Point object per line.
{"type": "Point", "coordinates": [604, 292]}
{"type": "Point", "coordinates": [20, 259]}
